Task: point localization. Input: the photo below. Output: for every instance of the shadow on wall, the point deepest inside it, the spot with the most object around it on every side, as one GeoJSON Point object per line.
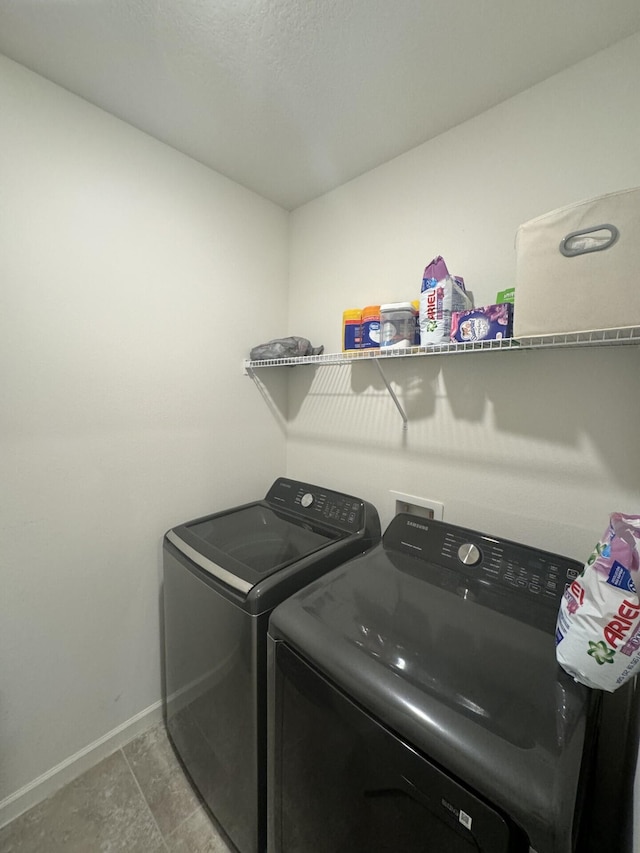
{"type": "Point", "coordinates": [274, 389]}
{"type": "Point", "coordinates": [344, 384]}
{"type": "Point", "coordinates": [554, 397]}
{"type": "Point", "coordinates": [560, 397]}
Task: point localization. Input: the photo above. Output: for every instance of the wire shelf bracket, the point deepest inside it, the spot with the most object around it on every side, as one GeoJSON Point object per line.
{"type": "Point", "coordinates": [393, 396]}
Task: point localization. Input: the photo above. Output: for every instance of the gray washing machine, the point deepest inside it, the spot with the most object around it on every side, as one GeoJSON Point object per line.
{"type": "Point", "coordinates": [415, 705]}
{"type": "Point", "coordinates": [223, 575]}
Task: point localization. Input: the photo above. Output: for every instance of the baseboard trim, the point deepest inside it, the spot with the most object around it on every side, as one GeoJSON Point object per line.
{"type": "Point", "coordinates": [48, 783]}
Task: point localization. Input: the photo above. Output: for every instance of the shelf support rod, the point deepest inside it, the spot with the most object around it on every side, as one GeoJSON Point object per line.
{"type": "Point", "coordinates": [392, 395]}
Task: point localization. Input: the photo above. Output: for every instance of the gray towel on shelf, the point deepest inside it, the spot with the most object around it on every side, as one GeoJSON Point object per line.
{"type": "Point", "coordinates": [291, 347]}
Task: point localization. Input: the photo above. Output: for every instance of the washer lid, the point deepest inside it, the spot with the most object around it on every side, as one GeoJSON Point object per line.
{"type": "Point", "coordinates": [261, 552]}
{"type": "Point", "coordinates": [474, 688]}
{"type": "Point", "coordinates": [244, 545]}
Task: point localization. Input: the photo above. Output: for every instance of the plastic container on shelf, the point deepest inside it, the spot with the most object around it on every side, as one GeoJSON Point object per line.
{"type": "Point", "coordinates": [370, 338]}
{"type": "Point", "coordinates": [351, 329]}
{"type": "Point", "coordinates": [397, 325]}
{"type": "Point", "coordinates": [416, 307]}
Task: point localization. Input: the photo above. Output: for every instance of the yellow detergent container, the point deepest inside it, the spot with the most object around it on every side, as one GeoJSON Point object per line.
{"type": "Point", "coordinates": [351, 329]}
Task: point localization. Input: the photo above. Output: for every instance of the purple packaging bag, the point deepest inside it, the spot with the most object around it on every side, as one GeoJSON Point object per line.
{"type": "Point", "coordinates": [435, 271]}
{"type": "Point", "coordinates": [492, 322]}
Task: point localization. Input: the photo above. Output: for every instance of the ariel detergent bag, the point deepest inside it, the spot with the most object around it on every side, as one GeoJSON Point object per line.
{"type": "Point", "coordinates": [598, 627]}
{"type": "Point", "coordinates": [441, 294]}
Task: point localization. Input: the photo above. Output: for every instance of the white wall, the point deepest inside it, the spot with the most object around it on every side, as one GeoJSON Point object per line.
{"type": "Point", "coordinates": [133, 281]}
{"type": "Point", "coordinates": [536, 446]}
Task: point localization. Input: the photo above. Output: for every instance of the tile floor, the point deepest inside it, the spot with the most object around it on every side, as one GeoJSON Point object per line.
{"type": "Point", "coordinates": [136, 800]}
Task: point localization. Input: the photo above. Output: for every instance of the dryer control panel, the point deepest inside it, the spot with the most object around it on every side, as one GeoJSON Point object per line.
{"type": "Point", "coordinates": [524, 569]}
{"type": "Point", "coordinates": [519, 568]}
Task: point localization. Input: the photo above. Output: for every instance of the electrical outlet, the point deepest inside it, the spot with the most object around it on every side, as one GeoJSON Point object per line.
{"type": "Point", "coordinates": [414, 505]}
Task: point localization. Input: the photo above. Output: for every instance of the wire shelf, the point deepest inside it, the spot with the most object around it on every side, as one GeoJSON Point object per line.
{"type": "Point", "coordinates": [608, 337]}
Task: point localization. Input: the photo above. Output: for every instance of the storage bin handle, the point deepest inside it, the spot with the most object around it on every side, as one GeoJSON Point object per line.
{"type": "Point", "coordinates": [571, 246]}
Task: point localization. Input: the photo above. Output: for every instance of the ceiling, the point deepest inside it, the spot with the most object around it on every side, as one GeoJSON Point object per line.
{"type": "Point", "coordinates": [292, 98]}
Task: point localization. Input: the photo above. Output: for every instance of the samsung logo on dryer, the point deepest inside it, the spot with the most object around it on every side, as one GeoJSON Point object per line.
{"type": "Point", "coordinates": [416, 524]}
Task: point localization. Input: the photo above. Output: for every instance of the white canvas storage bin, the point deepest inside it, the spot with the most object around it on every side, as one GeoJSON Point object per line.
{"type": "Point", "coordinates": [577, 268]}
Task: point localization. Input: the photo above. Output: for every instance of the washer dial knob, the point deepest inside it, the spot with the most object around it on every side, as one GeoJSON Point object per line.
{"type": "Point", "coordinates": [306, 500]}
{"type": "Point", "coordinates": [469, 554]}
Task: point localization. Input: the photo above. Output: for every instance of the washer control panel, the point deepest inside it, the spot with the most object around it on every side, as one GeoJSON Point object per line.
{"type": "Point", "coordinates": [523, 570]}
{"type": "Point", "coordinates": [315, 503]}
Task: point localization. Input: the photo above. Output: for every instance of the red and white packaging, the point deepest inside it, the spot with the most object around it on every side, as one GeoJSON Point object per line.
{"type": "Point", "coordinates": [598, 626]}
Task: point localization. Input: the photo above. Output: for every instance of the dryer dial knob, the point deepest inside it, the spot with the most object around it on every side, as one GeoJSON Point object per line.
{"type": "Point", "coordinates": [306, 500]}
{"type": "Point", "coordinates": [469, 554]}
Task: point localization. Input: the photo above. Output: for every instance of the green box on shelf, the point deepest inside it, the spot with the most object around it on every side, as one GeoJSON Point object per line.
{"type": "Point", "coordinates": [507, 295]}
